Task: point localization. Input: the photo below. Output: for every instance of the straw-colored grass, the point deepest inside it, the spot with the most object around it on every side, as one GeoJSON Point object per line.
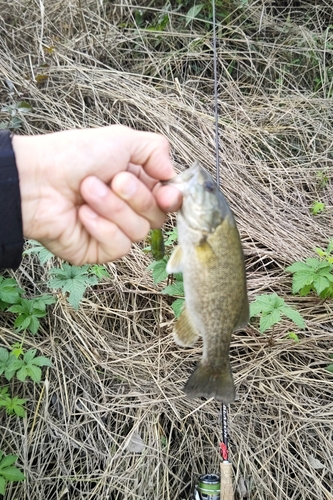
{"type": "Point", "coordinates": [116, 369]}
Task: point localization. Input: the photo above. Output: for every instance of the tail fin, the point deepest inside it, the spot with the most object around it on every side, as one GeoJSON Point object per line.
{"type": "Point", "coordinates": [210, 382]}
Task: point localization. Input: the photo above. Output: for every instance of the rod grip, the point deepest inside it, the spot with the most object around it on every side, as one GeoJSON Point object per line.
{"type": "Point", "coordinates": [227, 491]}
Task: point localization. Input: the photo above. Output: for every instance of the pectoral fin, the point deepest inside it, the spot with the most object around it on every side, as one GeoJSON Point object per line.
{"type": "Point", "coordinates": [185, 333]}
{"type": "Point", "coordinates": [175, 263]}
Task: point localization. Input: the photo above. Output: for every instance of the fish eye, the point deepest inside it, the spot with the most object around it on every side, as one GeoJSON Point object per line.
{"type": "Point", "coordinates": [209, 186]}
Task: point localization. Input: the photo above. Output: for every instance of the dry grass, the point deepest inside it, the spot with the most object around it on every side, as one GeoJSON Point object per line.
{"type": "Point", "coordinates": [116, 369]}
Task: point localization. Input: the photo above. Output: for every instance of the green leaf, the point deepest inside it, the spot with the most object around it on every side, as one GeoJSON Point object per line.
{"type": "Point", "coordinates": [9, 365]}
{"type": "Point", "coordinates": [17, 350]}
{"type": "Point", "coordinates": [330, 368]}
{"type": "Point", "coordinates": [23, 106]}
{"type": "Point", "coordinates": [73, 280]}
{"type": "Point", "coordinates": [255, 308]}
{"type": "Point", "coordinates": [34, 325]}
{"type": "Point", "coordinates": [295, 316]}
{"type": "Point", "coordinates": [34, 372]}
{"type": "Point", "coordinates": [175, 289]}
{"type": "Point", "coordinates": [4, 355]}
{"type": "Point", "coordinates": [172, 236]}
{"type": "Point", "coordinates": [317, 207]}
{"type": "Point", "coordinates": [7, 461]}
{"type": "Point", "coordinates": [12, 474]}
{"type": "Point", "coordinates": [99, 271]}
{"type": "Point", "coordinates": [22, 374]}
{"type": "Point", "coordinates": [2, 485]}
{"type": "Point", "coordinates": [320, 284]}
{"type": "Point", "coordinates": [22, 322]}
{"type": "Point", "coordinates": [193, 12]}
{"type": "Point", "coordinates": [178, 306]}
{"type": "Point", "coordinates": [313, 262]}
{"type": "Point", "coordinates": [293, 336]}
{"type": "Point", "coordinates": [43, 253]}
{"type": "Point", "coordinates": [14, 406]}
{"type": "Point", "coordinates": [9, 290]}
{"type": "Point", "coordinates": [159, 270]}
{"type": "Point", "coordinates": [297, 266]}
{"type": "Point", "coordinates": [42, 361]}
{"type": "Point", "coordinates": [302, 279]}
{"type": "Point", "coordinates": [305, 290]}
{"type": "Point", "coordinates": [29, 356]}
{"type": "Point", "coordinates": [268, 320]}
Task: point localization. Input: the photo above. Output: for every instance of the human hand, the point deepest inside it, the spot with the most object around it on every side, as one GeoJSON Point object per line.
{"type": "Point", "coordinates": [88, 194]}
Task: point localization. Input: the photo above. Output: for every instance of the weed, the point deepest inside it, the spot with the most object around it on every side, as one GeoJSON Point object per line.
{"type": "Point", "coordinates": [43, 253]}
{"type": "Point", "coordinates": [314, 274]}
{"type": "Point", "coordinates": [13, 406]}
{"type": "Point", "coordinates": [271, 307]}
{"type": "Point", "coordinates": [293, 336]}
{"type": "Point", "coordinates": [26, 365]}
{"type": "Point", "coordinates": [317, 207]}
{"type": "Point", "coordinates": [73, 280]}
{"type": "Point", "coordinates": [29, 312]}
{"type": "Point", "coordinates": [158, 268]}
{"type": "Point", "coordinates": [8, 473]}
{"type": "Point", "coordinates": [14, 111]}
{"type": "Point", "coordinates": [18, 363]}
{"type": "Point", "coordinates": [330, 367]}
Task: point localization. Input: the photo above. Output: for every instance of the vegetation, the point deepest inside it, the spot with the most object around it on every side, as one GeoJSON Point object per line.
{"type": "Point", "coordinates": [116, 374]}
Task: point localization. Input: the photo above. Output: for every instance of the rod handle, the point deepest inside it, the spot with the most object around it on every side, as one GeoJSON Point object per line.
{"type": "Point", "coordinates": [226, 491]}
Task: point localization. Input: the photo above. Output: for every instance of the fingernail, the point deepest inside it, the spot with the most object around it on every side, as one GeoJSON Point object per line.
{"type": "Point", "coordinates": [128, 189]}
{"type": "Point", "coordinates": [97, 187]}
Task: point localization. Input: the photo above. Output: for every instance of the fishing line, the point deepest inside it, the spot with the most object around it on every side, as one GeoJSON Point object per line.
{"type": "Point", "coordinates": [226, 491]}
{"type": "Point", "coordinates": [215, 98]}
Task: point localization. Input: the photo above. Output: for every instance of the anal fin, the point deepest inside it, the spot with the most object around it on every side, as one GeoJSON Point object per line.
{"type": "Point", "coordinates": [185, 333]}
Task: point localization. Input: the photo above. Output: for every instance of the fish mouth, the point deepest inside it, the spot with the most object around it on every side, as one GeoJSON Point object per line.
{"type": "Point", "coordinates": [185, 180]}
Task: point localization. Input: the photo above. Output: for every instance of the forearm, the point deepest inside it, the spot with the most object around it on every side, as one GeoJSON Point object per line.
{"type": "Point", "coordinates": [11, 232]}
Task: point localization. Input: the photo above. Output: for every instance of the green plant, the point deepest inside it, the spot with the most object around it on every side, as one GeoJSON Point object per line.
{"type": "Point", "coordinates": [99, 271]}
{"type": "Point", "coordinates": [314, 274]}
{"type": "Point", "coordinates": [8, 473]}
{"type": "Point", "coordinates": [29, 312]}
{"type": "Point", "coordinates": [14, 111]}
{"type": "Point", "coordinates": [271, 307]}
{"type": "Point", "coordinates": [159, 272]}
{"type": "Point", "coordinates": [43, 253]}
{"type": "Point", "coordinates": [330, 367]}
{"type": "Point", "coordinates": [10, 293]}
{"type": "Point", "coordinates": [293, 336]}
{"type": "Point", "coordinates": [322, 179]}
{"type": "Point", "coordinates": [317, 207]}
{"type": "Point", "coordinates": [73, 280]}
{"type": "Point", "coordinates": [25, 365]}
{"type": "Point", "coordinates": [22, 365]}
{"type": "Point", "coordinates": [12, 405]}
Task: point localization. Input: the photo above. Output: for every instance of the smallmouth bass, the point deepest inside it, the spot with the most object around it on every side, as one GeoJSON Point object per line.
{"type": "Point", "coordinates": [210, 256]}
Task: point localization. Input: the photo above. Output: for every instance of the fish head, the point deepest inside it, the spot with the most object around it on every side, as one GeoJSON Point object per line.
{"type": "Point", "coordinates": [204, 206]}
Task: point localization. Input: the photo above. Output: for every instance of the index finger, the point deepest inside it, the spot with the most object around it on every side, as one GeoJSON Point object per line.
{"type": "Point", "coordinates": [152, 151]}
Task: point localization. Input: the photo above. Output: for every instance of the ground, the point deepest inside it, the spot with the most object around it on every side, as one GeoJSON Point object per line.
{"type": "Point", "coordinates": [116, 370]}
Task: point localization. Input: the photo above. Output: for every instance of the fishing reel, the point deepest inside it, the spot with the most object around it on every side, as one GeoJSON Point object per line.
{"type": "Point", "coordinates": [208, 487]}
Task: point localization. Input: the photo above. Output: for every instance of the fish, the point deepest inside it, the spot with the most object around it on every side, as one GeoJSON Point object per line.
{"type": "Point", "coordinates": [210, 256]}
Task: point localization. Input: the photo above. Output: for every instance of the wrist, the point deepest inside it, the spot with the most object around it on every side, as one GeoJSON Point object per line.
{"type": "Point", "coordinates": [26, 156]}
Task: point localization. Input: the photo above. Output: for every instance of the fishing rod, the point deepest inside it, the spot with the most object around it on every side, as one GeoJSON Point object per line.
{"type": "Point", "coordinates": [226, 487]}
{"type": "Point", "coordinates": [214, 486]}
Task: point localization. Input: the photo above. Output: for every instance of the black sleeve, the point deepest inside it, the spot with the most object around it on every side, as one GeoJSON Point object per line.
{"type": "Point", "coordinates": [11, 233]}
